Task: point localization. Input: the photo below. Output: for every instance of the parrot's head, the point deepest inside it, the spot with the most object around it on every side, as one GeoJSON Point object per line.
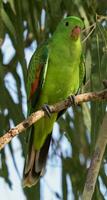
{"type": "Point", "coordinates": [70, 28]}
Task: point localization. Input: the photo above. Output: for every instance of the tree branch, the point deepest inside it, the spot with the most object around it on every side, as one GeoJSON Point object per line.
{"type": "Point", "coordinates": [34, 117]}
{"type": "Point", "coordinates": [96, 161]}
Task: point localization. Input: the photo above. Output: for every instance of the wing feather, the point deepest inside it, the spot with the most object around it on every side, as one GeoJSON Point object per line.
{"type": "Point", "coordinates": [36, 75]}
{"type": "Point", "coordinates": [82, 71]}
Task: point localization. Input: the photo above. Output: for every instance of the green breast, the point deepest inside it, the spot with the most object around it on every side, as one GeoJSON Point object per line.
{"type": "Point", "coordinates": [62, 77]}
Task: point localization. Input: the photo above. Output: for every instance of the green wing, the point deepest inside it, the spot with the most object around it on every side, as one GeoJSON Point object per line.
{"type": "Point", "coordinates": [36, 75]}
{"type": "Point", "coordinates": [82, 71]}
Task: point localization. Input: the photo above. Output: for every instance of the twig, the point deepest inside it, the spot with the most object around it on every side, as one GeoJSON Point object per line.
{"type": "Point", "coordinates": [99, 18]}
{"type": "Point", "coordinates": [91, 96]}
{"type": "Point", "coordinates": [96, 161]}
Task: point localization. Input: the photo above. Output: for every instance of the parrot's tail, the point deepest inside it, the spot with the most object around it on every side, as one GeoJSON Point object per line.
{"type": "Point", "coordinates": [35, 163]}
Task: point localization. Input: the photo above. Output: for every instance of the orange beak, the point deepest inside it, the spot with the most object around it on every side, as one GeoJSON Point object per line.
{"type": "Point", "coordinates": [76, 32]}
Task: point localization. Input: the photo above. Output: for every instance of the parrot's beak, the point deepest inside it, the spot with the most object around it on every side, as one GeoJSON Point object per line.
{"type": "Point", "coordinates": [76, 32]}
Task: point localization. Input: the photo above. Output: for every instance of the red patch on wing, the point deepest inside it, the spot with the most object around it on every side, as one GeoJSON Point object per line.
{"type": "Point", "coordinates": [35, 84]}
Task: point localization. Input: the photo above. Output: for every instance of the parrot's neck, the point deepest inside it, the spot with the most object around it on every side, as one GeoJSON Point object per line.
{"type": "Point", "coordinates": [67, 49]}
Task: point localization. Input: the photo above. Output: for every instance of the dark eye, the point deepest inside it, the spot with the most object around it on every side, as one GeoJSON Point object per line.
{"type": "Point", "coordinates": [66, 23]}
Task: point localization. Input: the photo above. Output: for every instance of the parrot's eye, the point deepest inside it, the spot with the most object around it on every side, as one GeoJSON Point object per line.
{"type": "Point", "coordinates": [66, 23]}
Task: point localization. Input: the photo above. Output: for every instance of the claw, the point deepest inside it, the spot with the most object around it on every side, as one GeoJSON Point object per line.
{"type": "Point", "coordinates": [73, 100]}
{"type": "Point", "coordinates": [46, 108]}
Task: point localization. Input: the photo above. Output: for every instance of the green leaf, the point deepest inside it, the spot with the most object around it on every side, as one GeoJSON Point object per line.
{"type": "Point", "coordinates": [86, 116]}
{"type": "Point", "coordinates": [7, 22]}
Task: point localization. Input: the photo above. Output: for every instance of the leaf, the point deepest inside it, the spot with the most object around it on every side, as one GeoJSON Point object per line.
{"type": "Point", "coordinates": [12, 5]}
{"type": "Point", "coordinates": [2, 30]}
{"type": "Point", "coordinates": [7, 22]}
{"type": "Point", "coordinates": [4, 169]}
{"type": "Point", "coordinates": [64, 184]}
{"type": "Point", "coordinates": [32, 193]}
{"type": "Point", "coordinates": [86, 116]}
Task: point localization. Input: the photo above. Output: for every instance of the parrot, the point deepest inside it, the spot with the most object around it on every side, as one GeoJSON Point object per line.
{"type": "Point", "coordinates": [56, 71]}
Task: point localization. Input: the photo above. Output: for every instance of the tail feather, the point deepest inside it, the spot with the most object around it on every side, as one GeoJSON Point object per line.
{"type": "Point", "coordinates": [35, 163]}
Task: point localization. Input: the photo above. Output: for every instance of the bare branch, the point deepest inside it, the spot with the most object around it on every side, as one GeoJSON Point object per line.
{"type": "Point", "coordinates": [91, 96]}
{"type": "Point", "coordinates": [96, 161]}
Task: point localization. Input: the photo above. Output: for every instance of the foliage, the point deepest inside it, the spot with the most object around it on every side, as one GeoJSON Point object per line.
{"type": "Point", "coordinates": [23, 22]}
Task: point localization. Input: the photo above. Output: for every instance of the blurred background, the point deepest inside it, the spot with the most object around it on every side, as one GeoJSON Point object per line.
{"type": "Point", "coordinates": [23, 26]}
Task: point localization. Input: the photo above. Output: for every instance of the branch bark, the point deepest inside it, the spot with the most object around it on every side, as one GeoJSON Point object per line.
{"type": "Point", "coordinates": [34, 117]}
{"type": "Point", "coordinates": [96, 161]}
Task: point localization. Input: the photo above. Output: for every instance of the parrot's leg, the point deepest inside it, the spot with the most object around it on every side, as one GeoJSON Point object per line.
{"type": "Point", "coordinates": [46, 108]}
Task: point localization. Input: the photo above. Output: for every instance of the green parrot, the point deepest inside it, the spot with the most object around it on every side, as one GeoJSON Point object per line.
{"type": "Point", "coordinates": [56, 71]}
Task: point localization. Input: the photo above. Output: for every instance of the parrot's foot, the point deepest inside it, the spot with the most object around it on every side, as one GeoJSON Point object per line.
{"type": "Point", "coordinates": [46, 108]}
{"type": "Point", "coordinates": [73, 100]}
